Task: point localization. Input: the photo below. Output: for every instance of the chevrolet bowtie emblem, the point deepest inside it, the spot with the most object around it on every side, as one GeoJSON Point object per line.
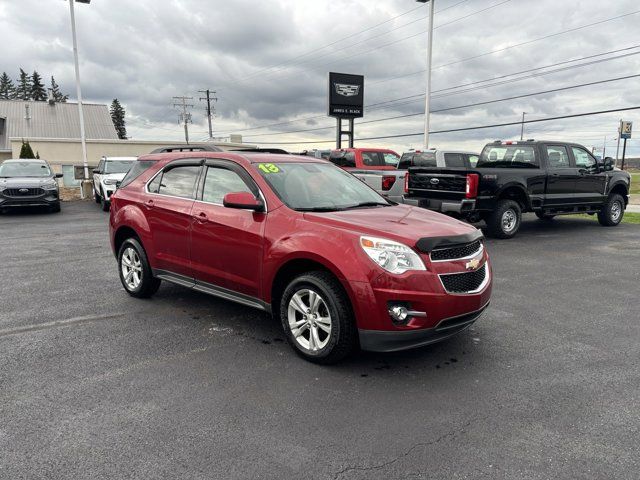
{"type": "Point", "coordinates": [472, 264]}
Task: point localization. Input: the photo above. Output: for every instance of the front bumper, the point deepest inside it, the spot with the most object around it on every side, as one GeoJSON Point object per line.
{"type": "Point", "coordinates": [393, 341]}
{"type": "Point", "coordinates": [50, 197]}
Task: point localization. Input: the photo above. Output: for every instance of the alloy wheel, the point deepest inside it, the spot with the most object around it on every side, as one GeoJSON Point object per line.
{"type": "Point", "coordinates": [131, 268]}
{"type": "Point", "coordinates": [509, 220]}
{"type": "Point", "coordinates": [309, 319]}
{"type": "Point", "coordinates": [616, 211]}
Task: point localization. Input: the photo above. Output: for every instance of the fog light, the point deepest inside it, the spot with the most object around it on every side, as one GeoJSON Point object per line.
{"type": "Point", "coordinates": [398, 313]}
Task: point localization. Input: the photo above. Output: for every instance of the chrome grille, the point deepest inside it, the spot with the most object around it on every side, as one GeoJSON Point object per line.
{"type": "Point", "coordinates": [456, 252]}
{"type": "Point", "coordinates": [23, 192]}
{"type": "Point", "coordinates": [467, 282]}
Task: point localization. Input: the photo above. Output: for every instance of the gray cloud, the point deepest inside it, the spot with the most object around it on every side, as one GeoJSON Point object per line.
{"type": "Point", "coordinates": [145, 52]}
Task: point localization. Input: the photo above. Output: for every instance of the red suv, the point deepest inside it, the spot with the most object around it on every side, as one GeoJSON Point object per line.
{"type": "Point", "coordinates": [304, 240]}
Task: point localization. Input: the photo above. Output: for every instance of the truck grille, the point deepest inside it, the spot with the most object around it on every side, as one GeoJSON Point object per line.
{"type": "Point", "coordinates": [23, 192]}
{"type": "Point", "coordinates": [456, 252]}
{"type": "Point", "coordinates": [467, 282]}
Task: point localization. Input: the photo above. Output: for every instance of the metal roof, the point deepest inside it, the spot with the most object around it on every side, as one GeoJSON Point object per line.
{"type": "Point", "coordinates": [59, 120]}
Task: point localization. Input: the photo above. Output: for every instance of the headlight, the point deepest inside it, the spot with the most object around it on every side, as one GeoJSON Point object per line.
{"type": "Point", "coordinates": [394, 257]}
{"type": "Point", "coordinates": [110, 181]}
{"type": "Point", "coordinates": [50, 185]}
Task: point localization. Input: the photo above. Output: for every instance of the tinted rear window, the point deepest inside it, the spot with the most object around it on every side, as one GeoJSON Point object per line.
{"type": "Point", "coordinates": [421, 159]}
{"type": "Point", "coordinates": [454, 160]}
{"type": "Point", "coordinates": [508, 156]}
{"type": "Point", "coordinates": [135, 171]}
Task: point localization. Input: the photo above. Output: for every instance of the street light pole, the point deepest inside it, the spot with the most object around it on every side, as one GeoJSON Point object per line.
{"type": "Point", "coordinates": [83, 139]}
{"type": "Point", "coordinates": [428, 82]}
{"type": "Point", "coordinates": [522, 127]}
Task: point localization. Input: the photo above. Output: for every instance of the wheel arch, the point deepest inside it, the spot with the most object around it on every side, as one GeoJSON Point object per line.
{"type": "Point", "coordinates": [516, 192]}
{"type": "Point", "coordinates": [622, 189]}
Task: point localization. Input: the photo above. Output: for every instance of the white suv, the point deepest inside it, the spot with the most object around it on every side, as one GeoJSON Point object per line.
{"type": "Point", "coordinates": [110, 171]}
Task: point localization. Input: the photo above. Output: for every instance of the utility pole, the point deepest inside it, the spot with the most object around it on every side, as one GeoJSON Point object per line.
{"type": "Point", "coordinates": [185, 117]}
{"type": "Point", "coordinates": [604, 148]}
{"type": "Point", "coordinates": [83, 140]}
{"type": "Point", "coordinates": [522, 127]}
{"type": "Point", "coordinates": [428, 89]}
{"type": "Point", "coordinates": [209, 96]}
{"type": "Point", "coordinates": [618, 147]}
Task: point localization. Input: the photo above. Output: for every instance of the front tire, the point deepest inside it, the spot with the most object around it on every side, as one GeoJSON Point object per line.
{"type": "Point", "coordinates": [317, 319]}
{"type": "Point", "coordinates": [504, 221]}
{"type": "Point", "coordinates": [612, 212]}
{"type": "Point", "coordinates": [135, 272]}
{"type": "Point", "coordinates": [104, 204]}
{"type": "Point", "coordinates": [96, 195]}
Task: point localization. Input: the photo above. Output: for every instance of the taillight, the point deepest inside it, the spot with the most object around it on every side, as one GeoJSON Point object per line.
{"type": "Point", "coordinates": [406, 183]}
{"type": "Point", "coordinates": [388, 181]}
{"type": "Point", "coordinates": [472, 185]}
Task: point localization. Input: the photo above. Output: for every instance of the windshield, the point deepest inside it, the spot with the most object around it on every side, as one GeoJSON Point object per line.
{"type": "Point", "coordinates": [507, 156]}
{"type": "Point", "coordinates": [318, 187]}
{"type": "Point", "coordinates": [24, 169]}
{"type": "Point", "coordinates": [117, 166]}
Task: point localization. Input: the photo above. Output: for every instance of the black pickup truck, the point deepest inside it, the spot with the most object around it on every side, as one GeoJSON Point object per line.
{"type": "Point", "coordinates": [547, 178]}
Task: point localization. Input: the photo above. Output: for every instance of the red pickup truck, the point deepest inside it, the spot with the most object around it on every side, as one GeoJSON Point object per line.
{"type": "Point", "coordinates": [365, 158]}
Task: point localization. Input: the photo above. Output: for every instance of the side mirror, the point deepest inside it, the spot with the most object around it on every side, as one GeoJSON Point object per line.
{"type": "Point", "coordinates": [58, 175]}
{"type": "Point", "coordinates": [96, 170]}
{"type": "Point", "coordinates": [608, 164]}
{"type": "Point", "coordinates": [118, 183]}
{"type": "Point", "coordinates": [243, 200]}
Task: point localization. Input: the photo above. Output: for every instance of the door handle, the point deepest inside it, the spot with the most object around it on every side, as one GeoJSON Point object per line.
{"type": "Point", "coordinates": [202, 217]}
{"type": "Point", "coordinates": [149, 204]}
{"type": "Point", "coordinates": [555, 174]}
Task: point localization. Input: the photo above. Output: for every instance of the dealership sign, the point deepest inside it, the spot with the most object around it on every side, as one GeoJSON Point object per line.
{"type": "Point", "coordinates": [346, 95]}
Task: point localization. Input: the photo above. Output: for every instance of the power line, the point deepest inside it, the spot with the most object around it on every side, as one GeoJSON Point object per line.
{"type": "Point", "coordinates": [459, 106]}
{"type": "Point", "coordinates": [292, 60]}
{"type": "Point", "coordinates": [390, 43]}
{"type": "Point", "coordinates": [479, 127]}
{"type": "Point", "coordinates": [536, 39]}
{"type": "Point", "coordinates": [510, 74]}
{"type": "Point", "coordinates": [375, 106]}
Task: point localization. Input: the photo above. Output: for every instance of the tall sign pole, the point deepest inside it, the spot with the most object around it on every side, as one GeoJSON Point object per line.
{"type": "Point", "coordinates": [625, 133]}
{"type": "Point", "coordinates": [346, 102]}
{"type": "Point", "coordinates": [427, 98]}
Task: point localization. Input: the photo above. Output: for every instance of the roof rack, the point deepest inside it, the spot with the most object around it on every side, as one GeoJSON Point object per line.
{"type": "Point", "coordinates": [188, 148]}
{"type": "Point", "coordinates": [260, 150]}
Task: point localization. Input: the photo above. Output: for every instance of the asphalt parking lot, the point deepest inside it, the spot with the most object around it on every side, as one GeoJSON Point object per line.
{"type": "Point", "coordinates": [95, 384]}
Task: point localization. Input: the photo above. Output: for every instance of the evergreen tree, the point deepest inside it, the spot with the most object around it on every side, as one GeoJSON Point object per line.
{"type": "Point", "coordinates": [117, 117]}
{"type": "Point", "coordinates": [23, 90]}
{"type": "Point", "coordinates": [7, 90]}
{"type": "Point", "coordinates": [26, 151]}
{"type": "Point", "coordinates": [58, 96]}
{"type": "Point", "coordinates": [38, 92]}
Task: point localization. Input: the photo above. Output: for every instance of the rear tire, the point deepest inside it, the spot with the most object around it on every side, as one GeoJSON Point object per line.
{"type": "Point", "coordinates": [504, 221]}
{"type": "Point", "coordinates": [318, 323]}
{"type": "Point", "coordinates": [544, 216]}
{"type": "Point", "coordinates": [134, 270]}
{"type": "Point", "coordinates": [612, 211]}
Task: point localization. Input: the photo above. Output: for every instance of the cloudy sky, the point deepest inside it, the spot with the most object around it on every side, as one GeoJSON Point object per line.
{"type": "Point", "coordinates": [268, 61]}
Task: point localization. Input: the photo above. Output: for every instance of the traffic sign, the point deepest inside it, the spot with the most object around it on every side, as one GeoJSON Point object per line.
{"type": "Point", "coordinates": [625, 129]}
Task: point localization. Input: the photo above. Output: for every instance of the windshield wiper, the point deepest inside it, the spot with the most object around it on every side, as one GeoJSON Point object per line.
{"type": "Point", "coordinates": [367, 204]}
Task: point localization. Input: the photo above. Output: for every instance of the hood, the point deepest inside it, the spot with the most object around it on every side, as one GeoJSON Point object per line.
{"type": "Point", "coordinates": [401, 223]}
{"type": "Point", "coordinates": [113, 176]}
{"type": "Point", "coordinates": [24, 182]}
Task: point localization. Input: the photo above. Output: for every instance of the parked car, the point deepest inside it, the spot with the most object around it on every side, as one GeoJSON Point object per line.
{"type": "Point", "coordinates": [110, 171]}
{"type": "Point", "coordinates": [365, 158]}
{"type": "Point", "coordinates": [547, 178]}
{"type": "Point", "coordinates": [390, 183]}
{"type": "Point", "coordinates": [300, 238]}
{"type": "Point", "coordinates": [28, 183]}
{"type": "Point", "coordinates": [438, 158]}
